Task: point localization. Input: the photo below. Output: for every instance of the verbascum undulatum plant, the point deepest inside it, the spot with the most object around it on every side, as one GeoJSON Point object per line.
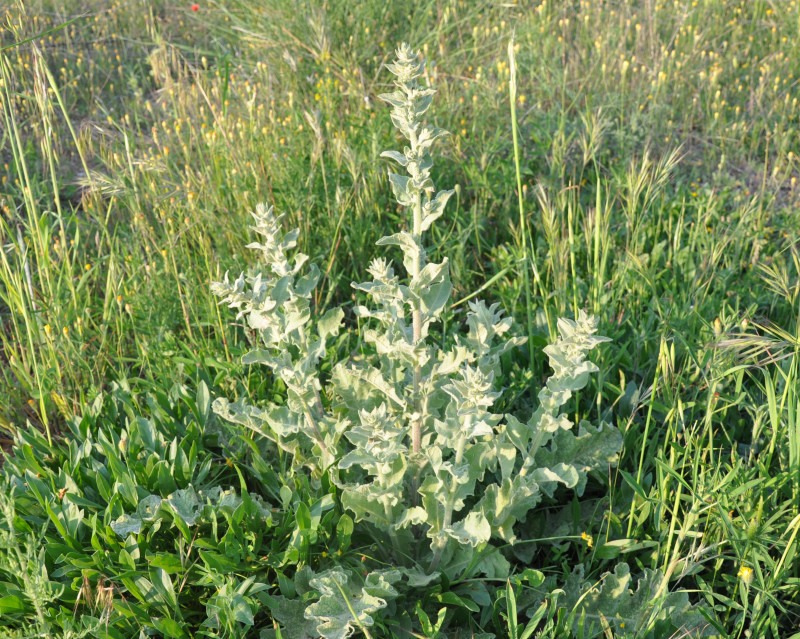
{"type": "Point", "coordinates": [276, 303]}
{"type": "Point", "coordinates": [407, 431]}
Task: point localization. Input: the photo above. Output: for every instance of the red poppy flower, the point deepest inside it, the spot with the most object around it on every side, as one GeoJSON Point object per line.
{"type": "Point", "coordinates": [195, 7]}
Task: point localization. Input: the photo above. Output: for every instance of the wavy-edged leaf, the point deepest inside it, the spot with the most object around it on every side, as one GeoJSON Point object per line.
{"type": "Point", "coordinates": [474, 529]}
{"type": "Point", "coordinates": [339, 610]}
{"type": "Point", "coordinates": [403, 189]}
{"type": "Point", "coordinates": [592, 448]}
{"type": "Point", "coordinates": [290, 614]}
{"type": "Point", "coordinates": [125, 525]}
{"type": "Point", "coordinates": [186, 505]}
{"type": "Point", "coordinates": [148, 508]}
{"type": "Point", "coordinates": [632, 606]}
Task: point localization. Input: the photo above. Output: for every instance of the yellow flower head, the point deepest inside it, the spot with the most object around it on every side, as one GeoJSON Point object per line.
{"type": "Point", "coordinates": [745, 574]}
{"type": "Point", "coordinates": [588, 539]}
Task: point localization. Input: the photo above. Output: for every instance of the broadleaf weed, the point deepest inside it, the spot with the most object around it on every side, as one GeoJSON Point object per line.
{"type": "Point", "coordinates": [406, 431]}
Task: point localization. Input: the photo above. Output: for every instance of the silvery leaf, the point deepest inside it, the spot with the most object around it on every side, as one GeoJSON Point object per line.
{"type": "Point", "coordinates": [148, 507]}
{"type": "Point", "coordinates": [412, 517]}
{"type": "Point", "coordinates": [474, 529]}
{"type": "Point", "coordinates": [396, 156]}
{"type": "Point", "coordinates": [290, 613]}
{"type": "Point", "coordinates": [627, 605]}
{"type": "Point", "coordinates": [423, 101]}
{"type": "Point", "coordinates": [418, 579]}
{"type": "Point", "coordinates": [186, 505]}
{"type": "Point", "coordinates": [395, 98]}
{"type": "Point", "coordinates": [508, 502]}
{"type": "Point", "coordinates": [592, 448]}
{"type": "Point", "coordinates": [547, 478]}
{"type": "Point", "coordinates": [339, 611]}
{"type": "Point", "coordinates": [434, 209]}
{"type": "Point", "coordinates": [411, 250]}
{"type": "Point", "coordinates": [330, 323]}
{"type": "Point", "coordinates": [242, 413]}
{"type": "Point", "coordinates": [125, 525]}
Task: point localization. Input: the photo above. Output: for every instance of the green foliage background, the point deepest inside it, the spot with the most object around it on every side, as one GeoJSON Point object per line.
{"type": "Point", "coordinates": [659, 161]}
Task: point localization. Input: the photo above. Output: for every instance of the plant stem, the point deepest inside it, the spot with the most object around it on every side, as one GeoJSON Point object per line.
{"type": "Point", "coordinates": [416, 315]}
{"type": "Point", "coordinates": [512, 94]}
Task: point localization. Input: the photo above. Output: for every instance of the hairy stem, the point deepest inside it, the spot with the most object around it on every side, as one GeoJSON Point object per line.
{"type": "Point", "coordinates": [416, 315]}
{"type": "Point", "coordinates": [416, 426]}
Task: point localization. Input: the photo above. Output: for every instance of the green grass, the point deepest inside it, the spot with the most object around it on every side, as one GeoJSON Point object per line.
{"type": "Point", "coordinates": [659, 173]}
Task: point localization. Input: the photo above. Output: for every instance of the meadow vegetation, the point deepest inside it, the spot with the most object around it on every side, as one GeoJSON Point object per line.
{"type": "Point", "coordinates": [647, 175]}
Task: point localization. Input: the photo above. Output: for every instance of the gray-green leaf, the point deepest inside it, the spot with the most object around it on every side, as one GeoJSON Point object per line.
{"type": "Point", "coordinates": [339, 611]}
{"type": "Point", "coordinates": [186, 505]}
{"type": "Point", "coordinates": [127, 524]}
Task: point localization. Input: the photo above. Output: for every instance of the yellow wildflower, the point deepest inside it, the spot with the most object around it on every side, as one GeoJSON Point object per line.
{"type": "Point", "coordinates": [588, 539]}
{"type": "Point", "coordinates": [745, 574]}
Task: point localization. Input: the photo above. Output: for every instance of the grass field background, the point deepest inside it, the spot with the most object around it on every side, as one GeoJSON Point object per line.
{"type": "Point", "coordinates": [659, 149]}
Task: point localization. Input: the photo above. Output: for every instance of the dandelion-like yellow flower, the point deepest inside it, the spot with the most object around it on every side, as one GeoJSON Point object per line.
{"type": "Point", "coordinates": [47, 330]}
{"type": "Point", "coordinates": [745, 574]}
{"type": "Point", "coordinates": [588, 539]}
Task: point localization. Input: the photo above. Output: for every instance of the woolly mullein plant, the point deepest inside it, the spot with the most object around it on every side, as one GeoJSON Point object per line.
{"type": "Point", "coordinates": [407, 431]}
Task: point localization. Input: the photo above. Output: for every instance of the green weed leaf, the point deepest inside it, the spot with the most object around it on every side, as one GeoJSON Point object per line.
{"type": "Point", "coordinates": [186, 505]}
{"type": "Point", "coordinates": [339, 610]}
